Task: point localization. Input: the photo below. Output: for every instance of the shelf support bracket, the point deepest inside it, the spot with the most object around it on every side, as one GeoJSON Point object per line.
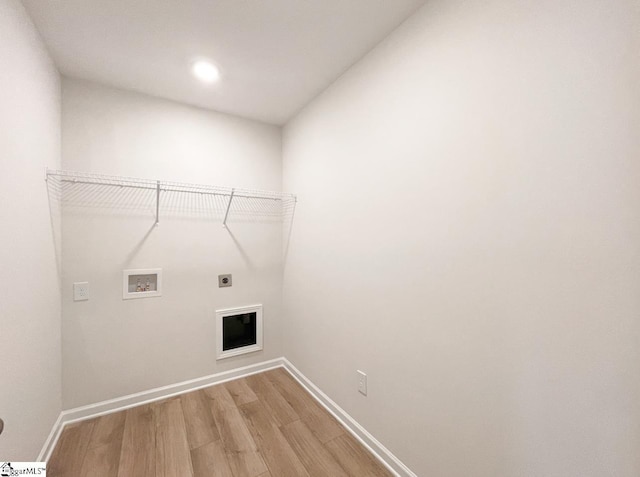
{"type": "Point", "coordinates": [157, 203]}
{"type": "Point", "coordinates": [226, 214]}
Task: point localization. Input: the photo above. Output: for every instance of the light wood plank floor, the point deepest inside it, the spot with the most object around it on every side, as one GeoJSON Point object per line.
{"type": "Point", "coordinates": [265, 425]}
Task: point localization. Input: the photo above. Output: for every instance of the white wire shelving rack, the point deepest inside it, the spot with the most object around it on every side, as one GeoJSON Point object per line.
{"type": "Point", "coordinates": [71, 178]}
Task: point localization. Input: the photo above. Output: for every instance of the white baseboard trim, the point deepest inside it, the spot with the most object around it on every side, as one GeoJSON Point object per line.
{"type": "Point", "coordinates": [125, 402]}
{"type": "Point", "coordinates": [51, 441]}
{"type": "Point", "coordinates": [383, 454]}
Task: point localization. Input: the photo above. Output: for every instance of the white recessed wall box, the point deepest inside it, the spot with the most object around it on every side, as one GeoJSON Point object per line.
{"type": "Point", "coordinates": [239, 331]}
{"type": "Point", "coordinates": [141, 283]}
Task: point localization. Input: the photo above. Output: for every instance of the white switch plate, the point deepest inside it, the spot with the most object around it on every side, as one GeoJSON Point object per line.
{"type": "Point", "coordinates": [362, 383]}
{"type": "Point", "coordinates": [80, 291]}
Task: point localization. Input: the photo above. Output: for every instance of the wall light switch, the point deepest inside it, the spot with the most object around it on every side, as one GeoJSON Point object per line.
{"type": "Point", "coordinates": [80, 291]}
{"type": "Point", "coordinates": [362, 383]}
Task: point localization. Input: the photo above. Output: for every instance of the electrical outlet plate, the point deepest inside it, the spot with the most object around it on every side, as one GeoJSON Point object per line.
{"type": "Point", "coordinates": [225, 280]}
{"type": "Point", "coordinates": [80, 291]}
{"type": "Point", "coordinates": [362, 383]}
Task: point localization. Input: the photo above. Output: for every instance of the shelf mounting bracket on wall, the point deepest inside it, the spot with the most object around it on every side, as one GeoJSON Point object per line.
{"type": "Point", "coordinates": [157, 203]}
{"type": "Point", "coordinates": [226, 214]}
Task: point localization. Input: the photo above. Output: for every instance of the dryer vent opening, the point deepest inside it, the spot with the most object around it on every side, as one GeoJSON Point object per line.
{"type": "Point", "coordinates": [239, 331]}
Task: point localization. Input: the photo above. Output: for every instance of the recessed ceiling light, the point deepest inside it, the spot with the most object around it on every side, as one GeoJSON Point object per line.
{"type": "Point", "coordinates": [206, 71]}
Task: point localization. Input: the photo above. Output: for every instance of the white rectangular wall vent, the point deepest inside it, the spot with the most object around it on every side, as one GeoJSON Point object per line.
{"type": "Point", "coordinates": [239, 331]}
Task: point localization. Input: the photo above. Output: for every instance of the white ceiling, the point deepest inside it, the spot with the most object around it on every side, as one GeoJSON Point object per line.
{"type": "Point", "coordinates": [274, 55]}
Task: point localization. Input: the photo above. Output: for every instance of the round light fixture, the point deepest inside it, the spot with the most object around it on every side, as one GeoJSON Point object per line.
{"type": "Point", "coordinates": [206, 71]}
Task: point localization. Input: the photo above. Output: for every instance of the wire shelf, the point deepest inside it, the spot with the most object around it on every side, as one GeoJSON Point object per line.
{"type": "Point", "coordinates": [82, 189]}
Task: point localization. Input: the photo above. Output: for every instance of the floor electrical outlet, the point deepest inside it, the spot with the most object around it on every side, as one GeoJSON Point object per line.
{"type": "Point", "coordinates": [362, 383]}
{"type": "Point", "coordinates": [80, 291]}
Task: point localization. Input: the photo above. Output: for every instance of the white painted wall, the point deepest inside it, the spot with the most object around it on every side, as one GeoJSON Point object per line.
{"type": "Point", "coordinates": [468, 234]}
{"type": "Point", "coordinates": [29, 285]}
{"type": "Point", "coordinates": [113, 347]}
